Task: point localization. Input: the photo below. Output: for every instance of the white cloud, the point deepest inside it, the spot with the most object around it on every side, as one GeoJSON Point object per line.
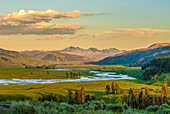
{"type": "Point", "coordinates": [137, 32]}
{"type": "Point", "coordinates": [38, 22]}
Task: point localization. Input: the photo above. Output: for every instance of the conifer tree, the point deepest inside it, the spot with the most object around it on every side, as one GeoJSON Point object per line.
{"type": "Point", "coordinates": [164, 90]}
{"type": "Point", "coordinates": [76, 97]}
{"type": "Point", "coordinates": [82, 96]}
{"type": "Point", "coordinates": [70, 93]}
{"type": "Point", "coordinates": [107, 89]}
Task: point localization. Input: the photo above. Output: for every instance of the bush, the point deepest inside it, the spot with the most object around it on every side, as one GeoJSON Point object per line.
{"type": "Point", "coordinates": [3, 111]}
{"type": "Point", "coordinates": [165, 106]}
{"type": "Point", "coordinates": [166, 111]}
{"type": "Point", "coordinates": [117, 107]}
{"type": "Point", "coordinates": [23, 108]}
{"type": "Point", "coordinates": [152, 108]}
{"type": "Point", "coordinates": [94, 105]}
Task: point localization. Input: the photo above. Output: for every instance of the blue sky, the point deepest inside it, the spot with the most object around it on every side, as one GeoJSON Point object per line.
{"type": "Point", "coordinates": [132, 14]}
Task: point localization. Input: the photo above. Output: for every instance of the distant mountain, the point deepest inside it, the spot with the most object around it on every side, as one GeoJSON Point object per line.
{"type": "Point", "coordinates": [130, 57]}
{"type": "Point", "coordinates": [92, 53]}
{"type": "Point", "coordinates": [58, 57]}
{"type": "Point", "coordinates": [13, 59]}
{"type": "Point", "coordinates": [147, 59]}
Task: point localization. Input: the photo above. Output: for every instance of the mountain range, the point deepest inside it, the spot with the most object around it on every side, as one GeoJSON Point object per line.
{"type": "Point", "coordinates": [93, 54]}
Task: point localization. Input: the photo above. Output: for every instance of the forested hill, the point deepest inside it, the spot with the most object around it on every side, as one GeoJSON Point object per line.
{"type": "Point", "coordinates": [147, 59]}
{"type": "Point", "coordinates": [157, 66]}
{"type": "Point", "coordinates": [130, 57]}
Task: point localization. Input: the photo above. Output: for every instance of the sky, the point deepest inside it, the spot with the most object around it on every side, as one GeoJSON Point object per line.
{"type": "Point", "coordinates": [57, 24]}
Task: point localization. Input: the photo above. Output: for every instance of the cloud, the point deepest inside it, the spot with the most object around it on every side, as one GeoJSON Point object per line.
{"type": "Point", "coordinates": [61, 37]}
{"type": "Point", "coordinates": [138, 32]}
{"type": "Point", "coordinates": [41, 28]}
{"type": "Point", "coordinates": [38, 22]}
{"type": "Point", "coordinates": [96, 35]}
{"type": "Point", "coordinates": [31, 16]}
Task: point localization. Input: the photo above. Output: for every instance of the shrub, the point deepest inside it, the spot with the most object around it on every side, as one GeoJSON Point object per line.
{"type": "Point", "coordinates": [3, 111]}
{"type": "Point", "coordinates": [166, 111]}
{"type": "Point", "coordinates": [165, 106]}
{"type": "Point", "coordinates": [23, 108]}
{"type": "Point", "coordinates": [152, 108]}
{"type": "Point", "coordinates": [116, 107]}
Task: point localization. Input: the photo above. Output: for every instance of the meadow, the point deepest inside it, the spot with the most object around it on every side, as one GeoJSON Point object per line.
{"type": "Point", "coordinates": [96, 88]}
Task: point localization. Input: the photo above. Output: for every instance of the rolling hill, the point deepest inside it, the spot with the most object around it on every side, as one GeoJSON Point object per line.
{"type": "Point", "coordinates": [147, 59]}
{"type": "Point", "coordinates": [57, 57]}
{"type": "Point", "coordinates": [93, 53]}
{"type": "Point", "coordinates": [13, 59]}
{"type": "Point", "coordinates": [130, 57]}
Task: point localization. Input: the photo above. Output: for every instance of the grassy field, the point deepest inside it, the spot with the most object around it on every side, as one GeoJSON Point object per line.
{"type": "Point", "coordinates": [97, 88]}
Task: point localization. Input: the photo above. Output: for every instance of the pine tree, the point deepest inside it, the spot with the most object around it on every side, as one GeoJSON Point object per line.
{"type": "Point", "coordinates": [82, 96]}
{"type": "Point", "coordinates": [164, 90]}
{"type": "Point", "coordinates": [67, 75]}
{"type": "Point", "coordinates": [157, 101]}
{"type": "Point", "coordinates": [107, 89]}
{"type": "Point", "coordinates": [124, 98]}
{"type": "Point", "coordinates": [113, 86]}
{"type": "Point", "coordinates": [70, 93]}
{"type": "Point", "coordinates": [76, 97]}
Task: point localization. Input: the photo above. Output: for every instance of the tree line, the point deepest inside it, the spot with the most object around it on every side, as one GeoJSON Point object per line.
{"type": "Point", "coordinates": [73, 74]}
{"type": "Point", "coordinates": [140, 99]}
{"type": "Point", "coordinates": [156, 67]}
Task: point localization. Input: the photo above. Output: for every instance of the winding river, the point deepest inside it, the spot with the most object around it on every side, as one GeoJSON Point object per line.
{"type": "Point", "coordinates": [97, 75]}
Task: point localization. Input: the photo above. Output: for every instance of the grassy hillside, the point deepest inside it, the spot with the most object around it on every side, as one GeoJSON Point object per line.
{"type": "Point", "coordinates": [13, 59]}
{"type": "Point", "coordinates": [55, 56]}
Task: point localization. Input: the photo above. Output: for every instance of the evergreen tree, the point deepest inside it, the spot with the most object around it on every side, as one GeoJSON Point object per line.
{"type": "Point", "coordinates": [82, 95]}
{"type": "Point", "coordinates": [70, 93]}
{"type": "Point", "coordinates": [76, 97]}
{"type": "Point", "coordinates": [164, 90]}
{"type": "Point", "coordinates": [107, 89]}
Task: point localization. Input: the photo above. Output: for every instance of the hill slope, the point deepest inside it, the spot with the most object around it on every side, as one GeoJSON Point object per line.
{"type": "Point", "coordinates": [92, 53]}
{"type": "Point", "coordinates": [147, 59]}
{"type": "Point", "coordinates": [134, 55]}
{"type": "Point", "coordinates": [55, 56]}
{"type": "Point", "coordinates": [13, 58]}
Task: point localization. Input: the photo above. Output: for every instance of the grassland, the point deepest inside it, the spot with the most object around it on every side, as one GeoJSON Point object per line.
{"type": "Point", "coordinates": [97, 88]}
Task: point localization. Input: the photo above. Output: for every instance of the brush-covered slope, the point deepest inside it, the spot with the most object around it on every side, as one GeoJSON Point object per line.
{"type": "Point", "coordinates": [55, 56]}
{"type": "Point", "coordinates": [129, 57]}
{"type": "Point", "coordinates": [92, 53]}
{"type": "Point", "coordinates": [147, 59]}
{"type": "Point", "coordinates": [13, 58]}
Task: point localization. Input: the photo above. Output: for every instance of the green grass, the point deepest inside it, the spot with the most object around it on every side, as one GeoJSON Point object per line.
{"type": "Point", "coordinates": [97, 88]}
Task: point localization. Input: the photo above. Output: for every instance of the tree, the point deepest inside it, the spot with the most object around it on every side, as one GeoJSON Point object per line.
{"type": "Point", "coordinates": [164, 90]}
{"type": "Point", "coordinates": [82, 95]}
{"type": "Point", "coordinates": [119, 100]}
{"type": "Point", "coordinates": [70, 93]}
{"type": "Point", "coordinates": [107, 89]}
{"type": "Point", "coordinates": [67, 75]}
{"type": "Point", "coordinates": [115, 88]}
{"type": "Point", "coordinates": [124, 98]}
{"type": "Point", "coordinates": [76, 97]}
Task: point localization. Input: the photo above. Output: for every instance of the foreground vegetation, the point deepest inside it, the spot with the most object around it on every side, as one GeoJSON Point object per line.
{"type": "Point", "coordinates": [91, 107]}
